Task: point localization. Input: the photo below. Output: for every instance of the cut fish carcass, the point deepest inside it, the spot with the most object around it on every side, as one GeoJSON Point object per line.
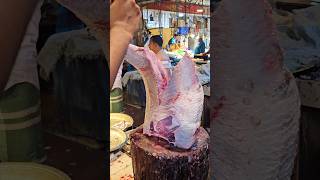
{"type": "Point", "coordinates": [174, 102]}
{"type": "Point", "coordinates": [256, 106]}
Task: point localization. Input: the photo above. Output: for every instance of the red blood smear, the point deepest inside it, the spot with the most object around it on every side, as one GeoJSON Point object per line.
{"type": "Point", "coordinates": [174, 99]}
{"type": "Point", "coordinates": [142, 69]}
{"type": "Point", "coordinates": [218, 107]}
{"type": "Point", "coordinates": [270, 63]}
{"type": "Point", "coordinates": [164, 84]}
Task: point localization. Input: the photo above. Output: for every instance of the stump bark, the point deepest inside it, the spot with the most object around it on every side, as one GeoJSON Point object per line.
{"type": "Point", "coordinates": [155, 159]}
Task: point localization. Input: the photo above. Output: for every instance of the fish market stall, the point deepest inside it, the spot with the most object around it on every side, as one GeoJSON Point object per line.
{"type": "Point", "coordinates": [140, 95]}
{"type": "Point", "coordinates": [298, 32]}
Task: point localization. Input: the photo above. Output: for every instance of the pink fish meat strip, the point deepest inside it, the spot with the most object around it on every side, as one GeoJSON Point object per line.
{"type": "Point", "coordinates": [256, 106]}
{"type": "Point", "coordinates": [174, 102]}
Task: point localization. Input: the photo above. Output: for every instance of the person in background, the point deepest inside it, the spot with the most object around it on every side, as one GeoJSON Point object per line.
{"type": "Point", "coordinates": [191, 42]}
{"type": "Point", "coordinates": [201, 47]}
{"type": "Point", "coordinates": [172, 41]}
{"type": "Point", "coordinates": [155, 45]}
{"type": "Point", "coordinates": [147, 38]}
{"type": "Point", "coordinates": [205, 55]}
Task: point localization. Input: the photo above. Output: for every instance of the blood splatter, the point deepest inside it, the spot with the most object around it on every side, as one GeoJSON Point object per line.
{"type": "Point", "coordinates": [218, 107]}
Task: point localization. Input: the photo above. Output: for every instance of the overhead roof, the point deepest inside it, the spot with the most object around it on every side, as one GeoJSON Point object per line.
{"type": "Point", "coordinates": [184, 6]}
{"type": "Point", "coordinates": [198, 2]}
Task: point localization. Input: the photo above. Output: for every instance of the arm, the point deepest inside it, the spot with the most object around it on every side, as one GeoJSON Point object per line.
{"type": "Point", "coordinates": [14, 18]}
{"type": "Point", "coordinates": [123, 25]}
{"type": "Point", "coordinates": [119, 41]}
{"type": "Point", "coordinates": [208, 52]}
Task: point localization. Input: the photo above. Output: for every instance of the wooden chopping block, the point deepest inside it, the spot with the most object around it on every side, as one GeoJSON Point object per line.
{"type": "Point", "coordinates": [155, 159]}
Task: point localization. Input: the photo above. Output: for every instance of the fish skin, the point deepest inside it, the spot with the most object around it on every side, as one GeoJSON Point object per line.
{"type": "Point", "coordinates": [174, 102]}
{"type": "Point", "coordinates": [255, 100]}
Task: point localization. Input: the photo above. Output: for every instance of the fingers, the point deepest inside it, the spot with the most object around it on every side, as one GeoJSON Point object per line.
{"type": "Point", "coordinates": [128, 7]}
{"type": "Point", "coordinates": [134, 8]}
{"type": "Point", "coordinates": [125, 3]}
{"type": "Point", "coordinates": [138, 10]}
{"type": "Point", "coordinates": [129, 15]}
{"type": "Point", "coordinates": [135, 14]}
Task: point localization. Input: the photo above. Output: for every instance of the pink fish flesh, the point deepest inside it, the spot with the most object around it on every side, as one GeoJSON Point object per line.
{"type": "Point", "coordinates": [174, 102]}
{"type": "Point", "coordinates": [256, 106]}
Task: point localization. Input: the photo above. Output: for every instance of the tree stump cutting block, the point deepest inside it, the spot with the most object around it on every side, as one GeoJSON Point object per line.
{"type": "Point", "coordinates": [155, 159]}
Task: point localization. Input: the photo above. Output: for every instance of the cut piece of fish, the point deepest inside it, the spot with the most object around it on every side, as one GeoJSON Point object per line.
{"type": "Point", "coordinates": [256, 105]}
{"type": "Point", "coordinates": [174, 101]}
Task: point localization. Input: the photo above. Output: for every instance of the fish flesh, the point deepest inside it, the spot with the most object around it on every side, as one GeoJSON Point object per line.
{"type": "Point", "coordinates": [174, 101]}
{"type": "Point", "coordinates": [255, 100]}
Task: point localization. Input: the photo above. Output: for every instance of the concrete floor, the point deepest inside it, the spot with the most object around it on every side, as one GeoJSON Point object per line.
{"type": "Point", "coordinates": [76, 160]}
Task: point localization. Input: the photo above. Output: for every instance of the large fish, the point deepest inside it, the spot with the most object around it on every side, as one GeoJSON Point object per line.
{"type": "Point", "coordinates": [174, 102]}
{"type": "Point", "coordinates": [256, 106]}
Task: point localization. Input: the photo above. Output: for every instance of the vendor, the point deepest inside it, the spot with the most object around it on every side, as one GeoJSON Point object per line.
{"type": "Point", "coordinates": [155, 45]}
{"type": "Point", "coordinates": [191, 42]}
{"type": "Point", "coordinates": [208, 51]}
{"type": "Point", "coordinates": [173, 42]}
{"type": "Point", "coordinates": [201, 47]}
{"type": "Point", "coordinates": [205, 55]}
{"type": "Point", "coordinates": [147, 38]}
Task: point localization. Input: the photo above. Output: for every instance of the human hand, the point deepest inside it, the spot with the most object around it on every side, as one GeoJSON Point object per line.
{"type": "Point", "coordinates": [125, 14]}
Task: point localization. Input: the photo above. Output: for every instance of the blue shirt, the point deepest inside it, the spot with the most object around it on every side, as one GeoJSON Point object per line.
{"type": "Point", "coordinates": [201, 48]}
{"type": "Point", "coordinates": [172, 41]}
